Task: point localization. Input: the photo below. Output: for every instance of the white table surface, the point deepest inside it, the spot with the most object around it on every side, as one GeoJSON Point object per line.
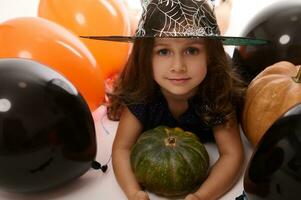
{"type": "Point", "coordinates": [96, 185]}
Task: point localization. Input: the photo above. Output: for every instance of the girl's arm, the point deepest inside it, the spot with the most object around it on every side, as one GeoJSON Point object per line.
{"type": "Point", "coordinates": [128, 131]}
{"type": "Point", "coordinates": [226, 170]}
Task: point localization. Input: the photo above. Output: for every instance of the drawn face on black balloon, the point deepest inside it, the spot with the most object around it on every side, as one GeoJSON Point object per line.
{"type": "Point", "coordinates": [47, 134]}
{"type": "Point", "coordinates": [274, 171]}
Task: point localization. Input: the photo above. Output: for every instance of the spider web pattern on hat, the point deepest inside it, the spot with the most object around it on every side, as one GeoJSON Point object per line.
{"type": "Point", "coordinates": [176, 18]}
{"type": "Point", "coordinates": [179, 18]}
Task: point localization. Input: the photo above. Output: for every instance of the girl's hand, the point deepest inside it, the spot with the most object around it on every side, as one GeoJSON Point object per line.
{"type": "Point", "coordinates": [192, 197]}
{"type": "Point", "coordinates": [141, 195]}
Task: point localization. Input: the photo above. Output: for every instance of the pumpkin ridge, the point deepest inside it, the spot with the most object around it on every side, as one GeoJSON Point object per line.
{"type": "Point", "coordinates": [251, 87]}
{"type": "Point", "coordinates": [265, 80]}
{"type": "Point", "coordinates": [250, 101]}
{"type": "Point", "coordinates": [197, 175]}
{"type": "Point", "coordinates": [186, 160]}
{"type": "Point", "coordinates": [176, 185]}
{"type": "Point", "coordinates": [202, 164]}
{"type": "Point", "coordinates": [140, 154]}
{"type": "Point", "coordinates": [201, 152]}
{"type": "Point", "coordinates": [261, 94]}
{"type": "Point", "coordinates": [288, 102]}
{"type": "Point", "coordinates": [153, 171]}
{"type": "Point", "coordinates": [167, 180]}
{"type": "Point", "coordinates": [144, 145]}
{"type": "Point", "coordinates": [150, 171]}
{"type": "Point", "coordinates": [190, 136]}
{"type": "Point", "coordinates": [274, 107]}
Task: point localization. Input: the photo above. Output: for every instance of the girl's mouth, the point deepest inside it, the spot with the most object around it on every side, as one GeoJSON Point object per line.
{"type": "Point", "coordinates": [178, 80]}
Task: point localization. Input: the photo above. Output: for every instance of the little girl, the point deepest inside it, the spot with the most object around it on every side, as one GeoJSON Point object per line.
{"type": "Point", "coordinates": [178, 74]}
{"type": "Point", "coordinates": [179, 82]}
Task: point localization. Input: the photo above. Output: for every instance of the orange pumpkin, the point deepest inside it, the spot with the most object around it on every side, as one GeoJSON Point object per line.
{"type": "Point", "coordinates": [270, 94]}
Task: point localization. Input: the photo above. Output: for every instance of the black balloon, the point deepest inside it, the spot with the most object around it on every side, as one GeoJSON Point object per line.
{"type": "Point", "coordinates": [274, 171]}
{"type": "Point", "coordinates": [281, 25]}
{"type": "Point", "coordinates": [47, 134]}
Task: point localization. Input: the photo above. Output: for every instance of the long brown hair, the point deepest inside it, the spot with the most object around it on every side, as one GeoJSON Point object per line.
{"type": "Point", "coordinates": [135, 83]}
{"type": "Point", "coordinates": [220, 93]}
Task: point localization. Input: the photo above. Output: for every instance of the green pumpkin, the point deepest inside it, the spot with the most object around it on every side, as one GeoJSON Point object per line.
{"type": "Point", "coordinates": [169, 161]}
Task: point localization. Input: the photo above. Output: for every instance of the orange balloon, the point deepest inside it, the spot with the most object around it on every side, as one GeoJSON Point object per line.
{"type": "Point", "coordinates": [49, 43]}
{"type": "Point", "coordinates": [94, 17]}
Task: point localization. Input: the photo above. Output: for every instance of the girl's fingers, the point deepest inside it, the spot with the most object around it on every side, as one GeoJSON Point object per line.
{"type": "Point", "coordinates": [142, 196]}
{"type": "Point", "coordinates": [191, 197]}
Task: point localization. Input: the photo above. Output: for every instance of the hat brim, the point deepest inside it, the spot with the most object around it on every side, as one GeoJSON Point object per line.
{"type": "Point", "coordinates": [227, 40]}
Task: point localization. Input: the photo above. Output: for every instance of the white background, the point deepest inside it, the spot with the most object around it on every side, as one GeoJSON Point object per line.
{"type": "Point", "coordinates": [94, 185]}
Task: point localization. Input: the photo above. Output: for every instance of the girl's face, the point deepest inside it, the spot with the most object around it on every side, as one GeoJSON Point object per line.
{"type": "Point", "coordinates": [179, 65]}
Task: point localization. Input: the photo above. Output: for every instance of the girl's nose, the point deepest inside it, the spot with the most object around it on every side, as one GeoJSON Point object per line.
{"type": "Point", "coordinates": [178, 64]}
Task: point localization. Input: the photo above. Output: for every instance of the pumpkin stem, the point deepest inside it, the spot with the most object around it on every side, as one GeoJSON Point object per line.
{"type": "Point", "coordinates": [170, 141]}
{"type": "Point", "coordinates": [297, 78]}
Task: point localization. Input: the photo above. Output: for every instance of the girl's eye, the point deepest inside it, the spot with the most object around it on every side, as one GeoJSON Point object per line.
{"type": "Point", "coordinates": [192, 51]}
{"type": "Point", "coordinates": [163, 52]}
